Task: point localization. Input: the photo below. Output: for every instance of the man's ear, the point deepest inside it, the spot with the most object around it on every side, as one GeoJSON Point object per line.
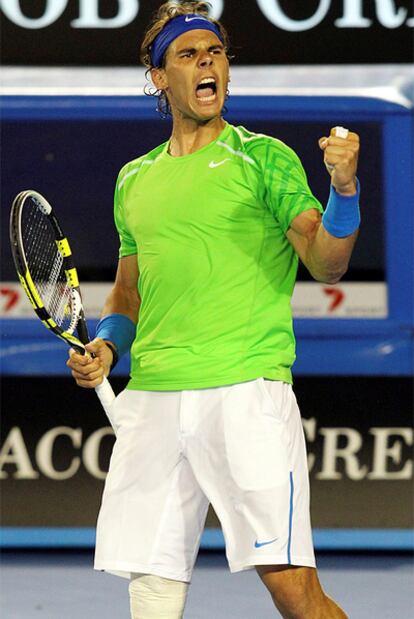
{"type": "Point", "coordinates": [159, 79]}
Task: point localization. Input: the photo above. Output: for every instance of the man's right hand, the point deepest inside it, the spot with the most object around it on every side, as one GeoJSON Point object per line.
{"type": "Point", "coordinates": [89, 371]}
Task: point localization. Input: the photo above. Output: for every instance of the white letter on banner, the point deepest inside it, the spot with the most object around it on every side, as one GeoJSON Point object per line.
{"type": "Point", "coordinates": [332, 452]}
{"type": "Point", "coordinates": [44, 452]}
{"type": "Point", "coordinates": [388, 15]}
{"type": "Point", "coordinates": [91, 452]}
{"type": "Point", "coordinates": [383, 451]}
{"type": "Point", "coordinates": [353, 17]}
{"type": "Point", "coordinates": [274, 13]}
{"type": "Point", "coordinates": [14, 452]}
{"type": "Point", "coordinates": [53, 10]}
{"type": "Point", "coordinates": [217, 8]}
{"type": "Point", "coordinates": [89, 15]}
{"type": "Point", "coordinates": [386, 11]}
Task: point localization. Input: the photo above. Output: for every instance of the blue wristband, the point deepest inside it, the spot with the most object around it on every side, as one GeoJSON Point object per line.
{"type": "Point", "coordinates": [118, 329]}
{"type": "Point", "coordinates": [342, 217]}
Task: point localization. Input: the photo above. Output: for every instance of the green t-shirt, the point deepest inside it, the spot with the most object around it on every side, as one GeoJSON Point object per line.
{"type": "Point", "coordinates": [216, 269]}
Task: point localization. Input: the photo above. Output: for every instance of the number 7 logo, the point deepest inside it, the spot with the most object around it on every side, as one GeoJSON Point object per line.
{"type": "Point", "coordinates": [11, 298]}
{"type": "Point", "coordinates": [337, 298]}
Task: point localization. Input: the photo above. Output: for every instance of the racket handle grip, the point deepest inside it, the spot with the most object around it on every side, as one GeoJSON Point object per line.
{"type": "Point", "coordinates": [106, 396]}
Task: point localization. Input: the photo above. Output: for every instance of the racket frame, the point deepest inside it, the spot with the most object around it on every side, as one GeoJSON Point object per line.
{"type": "Point", "coordinates": [104, 390]}
{"type": "Point", "coordinates": [77, 319]}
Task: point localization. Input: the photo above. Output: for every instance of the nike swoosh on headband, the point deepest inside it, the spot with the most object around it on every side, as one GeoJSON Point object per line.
{"type": "Point", "coordinates": [188, 18]}
{"type": "Point", "coordinates": [176, 27]}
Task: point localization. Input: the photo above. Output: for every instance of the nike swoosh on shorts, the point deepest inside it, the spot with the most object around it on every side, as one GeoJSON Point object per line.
{"type": "Point", "coordinates": [260, 544]}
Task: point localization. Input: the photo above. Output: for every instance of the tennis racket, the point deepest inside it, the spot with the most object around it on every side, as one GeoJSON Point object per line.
{"type": "Point", "coordinates": [46, 270]}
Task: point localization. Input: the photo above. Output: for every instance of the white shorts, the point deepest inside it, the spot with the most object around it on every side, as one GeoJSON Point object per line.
{"type": "Point", "coordinates": [240, 447]}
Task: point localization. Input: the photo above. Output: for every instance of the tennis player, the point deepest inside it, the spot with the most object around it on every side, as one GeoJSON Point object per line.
{"type": "Point", "coordinates": [211, 226]}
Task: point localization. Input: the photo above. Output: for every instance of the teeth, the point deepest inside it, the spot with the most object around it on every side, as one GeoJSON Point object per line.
{"type": "Point", "coordinates": [207, 80]}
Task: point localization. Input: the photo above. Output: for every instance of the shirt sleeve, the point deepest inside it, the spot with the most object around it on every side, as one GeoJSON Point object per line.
{"type": "Point", "coordinates": [127, 244]}
{"type": "Point", "coordinates": [287, 192]}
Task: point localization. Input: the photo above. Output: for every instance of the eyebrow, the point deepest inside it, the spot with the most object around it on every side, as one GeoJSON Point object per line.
{"type": "Point", "coordinates": [185, 50]}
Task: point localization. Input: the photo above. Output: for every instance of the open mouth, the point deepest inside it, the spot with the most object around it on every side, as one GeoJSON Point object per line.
{"type": "Point", "coordinates": [206, 90]}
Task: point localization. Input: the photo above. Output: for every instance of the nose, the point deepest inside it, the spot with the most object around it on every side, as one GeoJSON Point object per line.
{"type": "Point", "coordinates": [206, 60]}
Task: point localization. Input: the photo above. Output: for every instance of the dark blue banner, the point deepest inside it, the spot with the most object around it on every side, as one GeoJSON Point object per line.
{"type": "Point", "coordinates": [109, 32]}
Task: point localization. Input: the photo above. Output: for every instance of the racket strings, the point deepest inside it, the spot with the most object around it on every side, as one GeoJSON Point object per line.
{"type": "Point", "coordinates": [46, 265]}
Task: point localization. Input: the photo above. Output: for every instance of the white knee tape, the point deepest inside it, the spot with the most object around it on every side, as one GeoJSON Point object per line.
{"type": "Point", "coordinates": [154, 597]}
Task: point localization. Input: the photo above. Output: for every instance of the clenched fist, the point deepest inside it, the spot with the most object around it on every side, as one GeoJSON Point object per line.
{"type": "Point", "coordinates": [88, 371]}
{"type": "Point", "coordinates": [341, 159]}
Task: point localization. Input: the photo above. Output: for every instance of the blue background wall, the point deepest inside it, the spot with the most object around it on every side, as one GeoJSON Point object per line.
{"type": "Point", "coordinates": [70, 149]}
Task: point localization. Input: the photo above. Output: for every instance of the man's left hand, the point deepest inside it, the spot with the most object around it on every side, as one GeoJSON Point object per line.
{"type": "Point", "coordinates": [341, 161]}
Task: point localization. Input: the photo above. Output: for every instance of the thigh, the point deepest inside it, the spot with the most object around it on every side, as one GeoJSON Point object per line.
{"type": "Point", "coordinates": [250, 460]}
{"type": "Point", "coordinates": [153, 510]}
{"type": "Point", "coordinates": [147, 440]}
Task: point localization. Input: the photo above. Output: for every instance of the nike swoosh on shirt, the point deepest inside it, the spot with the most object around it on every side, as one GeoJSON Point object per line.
{"type": "Point", "coordinates": [214, 164]}
{"type": "Point", "coordinates": [193, 18]}
{"type": "Point", "coordinates": [260, 544]}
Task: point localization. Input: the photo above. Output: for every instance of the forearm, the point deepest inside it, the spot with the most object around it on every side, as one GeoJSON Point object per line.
{"type": "Point", "coordinates": [124, 298]}
{"type": "Point", "coordinates": [122, 301]}
{"type": "Point", "coordinates": [327, 256]}
{"type": "Point", "coordinates": [325, 244]}
{"type": "Point", "coordinates": [117, 326]}
{"type": "Point", "coordinates": [331, 247]}
{"type": "Point", "coordinates": [120, 313]}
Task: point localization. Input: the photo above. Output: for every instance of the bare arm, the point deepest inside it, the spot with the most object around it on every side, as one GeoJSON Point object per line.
{"type": "Point", "coordinates": [123, 299]}
{"type": "Point", "coordinates": [326, 256]}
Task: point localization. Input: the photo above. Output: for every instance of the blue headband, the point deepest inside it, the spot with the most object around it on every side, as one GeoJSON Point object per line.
{"type": "Point", "coordinates": [176, 27]}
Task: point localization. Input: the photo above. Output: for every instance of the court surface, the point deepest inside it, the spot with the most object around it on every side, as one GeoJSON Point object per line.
{"type": "Point", "coordinates": [62, 585]}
